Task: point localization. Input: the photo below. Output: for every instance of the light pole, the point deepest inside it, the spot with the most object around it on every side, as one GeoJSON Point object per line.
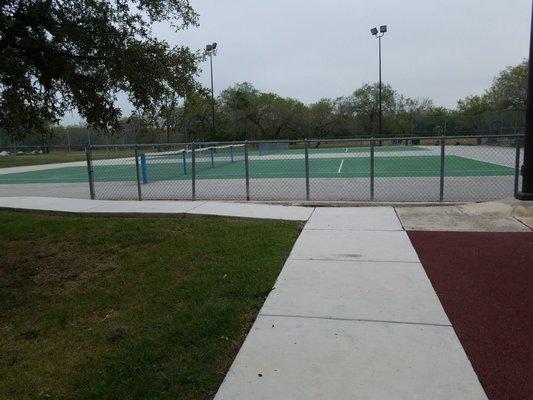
{"type": "Point", "coordinates": [527, 167]}
{"type": "Point", "coordinates": [211, 49]}
{"type": "Point", "coordinates": [379, 34]}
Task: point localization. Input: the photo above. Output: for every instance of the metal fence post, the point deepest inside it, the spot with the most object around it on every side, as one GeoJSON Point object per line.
{"type": "Point", "coordinates": [193, 171]}
{"type": "Point", "coordinates": [372, 171]}
{"type": "Point", "coordinates": [442, 158]}
{"type": "Point", "coordinates": [139, 190]}
{"type": "Point", "coordinates": [306, 151]}
{"type": "Point", "coordinates": [90, 172]}
{"type": "Point", "coordinates": [247, 170]}
{"type": "Point", "coordinates": [517, 165]}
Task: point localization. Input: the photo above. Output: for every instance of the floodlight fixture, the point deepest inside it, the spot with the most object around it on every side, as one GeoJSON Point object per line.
{"type": "Point", "coordinates": [383, 28]}
{"type": "Point", "coordinates": [374, 31]}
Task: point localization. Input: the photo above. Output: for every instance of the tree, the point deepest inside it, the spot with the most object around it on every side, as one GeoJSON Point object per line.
{"type": "Point", "coordinates": [57, 56]}
{"type": "Point", "coordinates": [238, 103]}
{"type": "Point", "coordinates": [402, 120]}
{"type": "Point", "coordinates": [508, 92]}
{"type": "Point", "coordinates": [196, 118]}
{"type": "Point", "coordinates": [474, 104]}
{"type": "Point", "coordinates": [509, 89]}
{"type": "Point", "coordinates": [321, 119]}
{"type": "Point", "coordinates": [363, 107]}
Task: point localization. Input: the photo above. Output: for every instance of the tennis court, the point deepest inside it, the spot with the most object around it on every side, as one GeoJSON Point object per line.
{"type": "Point", "coordinates": [272, 167]}
{"type": "Point", "coordinates": [330, 173]}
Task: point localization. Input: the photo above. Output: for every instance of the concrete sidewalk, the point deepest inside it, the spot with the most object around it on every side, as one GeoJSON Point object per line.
{"type": "Point", "coordinates": [41, 167]}
{"type": "Point", "coordinates": [506, 215]}
{"type": "Point", "coordinates": [352, 316]}
{"type": "Point", "coordinates": [104, 207]}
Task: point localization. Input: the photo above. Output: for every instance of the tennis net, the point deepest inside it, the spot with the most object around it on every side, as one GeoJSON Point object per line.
{"type": "Point", "coordinates": [173, 165]}
{"type": "Point", "coordinates": [268, 148]}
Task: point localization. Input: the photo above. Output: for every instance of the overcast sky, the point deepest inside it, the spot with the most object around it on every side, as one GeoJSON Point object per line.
{"type": "Point", "coordinates": [310, 49]}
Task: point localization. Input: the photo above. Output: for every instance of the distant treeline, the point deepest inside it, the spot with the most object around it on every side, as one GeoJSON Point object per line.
{"type": "Point", "coordinates": [244, 113]}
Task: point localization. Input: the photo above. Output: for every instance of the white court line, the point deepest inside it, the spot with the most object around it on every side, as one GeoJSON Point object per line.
{"type": "Point", "coordinates": [340, 167]}
{"type": "Point", "coordinates": [342, 162]}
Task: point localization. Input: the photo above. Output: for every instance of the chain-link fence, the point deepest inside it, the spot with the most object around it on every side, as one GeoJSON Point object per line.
{"type": "Point", "coordinates": [506, 122]}
{"type": "Point", "coordinates": [459, 168]}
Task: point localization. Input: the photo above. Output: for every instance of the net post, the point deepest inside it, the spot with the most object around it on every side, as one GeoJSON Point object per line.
{"type": "Point", "coordinates": [144, 169]}
{"type": "Point", "coordinates": [517, 165]}
{"type": "Point", "coordinates": [231, 152]}
{"type": "Point", "coordinates": [306, 151]}
{"type": "Point", "coordinates": [372, 171]}
{"type": "Point", "coordinates": [193, 171]}
{"type": "Point", "coordinates": [246, 170]}
{"type": "Point", "coordinates": [442, 158]}
{"type": "Point", "coordinates": [137, 173]}
{"type": "Point", "coordinates": [184, 159]}
{"type": "Point", "coordinates": [212, 157]}
{"type": "Point", "coordinates": [88, 155]}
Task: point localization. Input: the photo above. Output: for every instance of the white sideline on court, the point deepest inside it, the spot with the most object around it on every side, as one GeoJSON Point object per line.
{"type": "Point", "coordinates": [352, 316]}
{"type": "Point", "coordinates": [83, 206]}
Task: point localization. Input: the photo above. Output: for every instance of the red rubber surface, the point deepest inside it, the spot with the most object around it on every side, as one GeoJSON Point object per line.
{"type": "Point", "coordinates": [485, 284]}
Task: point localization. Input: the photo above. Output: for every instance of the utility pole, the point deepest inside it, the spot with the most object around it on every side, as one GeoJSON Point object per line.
{"type": "Point", "coordinates": [527, 167]}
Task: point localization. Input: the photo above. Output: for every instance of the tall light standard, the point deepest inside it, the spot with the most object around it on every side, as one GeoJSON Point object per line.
{"type": "Point", "coordinates": [379, 34]}
{"type": "Point", "coordinates": [211, 49]}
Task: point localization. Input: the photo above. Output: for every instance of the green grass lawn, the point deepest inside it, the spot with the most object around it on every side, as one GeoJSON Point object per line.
{"type": "Point", "coordinates": [37, 159]}
{"type": "Point", "coordinates": [55, 156]}
{"type": "Point", "coordinates": [129, 308]}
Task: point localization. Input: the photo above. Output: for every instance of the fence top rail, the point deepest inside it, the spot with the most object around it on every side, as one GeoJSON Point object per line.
{"type": "Point", "coordinates": [312, 140]}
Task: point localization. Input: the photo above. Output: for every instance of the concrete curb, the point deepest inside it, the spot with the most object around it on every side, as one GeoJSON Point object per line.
{"type": "Point", "coordinates": [154, 208]}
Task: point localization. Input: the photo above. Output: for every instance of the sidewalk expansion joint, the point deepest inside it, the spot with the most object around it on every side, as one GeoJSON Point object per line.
{"type": "Point", "coordinates": [351, 260]}
{"type": "Point", "coordinates": [310, 216]}
{"type": "Point", "coordinates": [353, 230]}
{"type": "Point", "coordinates": [195, 207]}
{"type": "Point", "coordinates": [355, 320]}
{"type": "Point", "coordinates": [399, 219]}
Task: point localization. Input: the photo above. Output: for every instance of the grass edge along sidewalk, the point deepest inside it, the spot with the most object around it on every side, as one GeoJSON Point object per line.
{"type": "Point", "coordinates": [130, 307]}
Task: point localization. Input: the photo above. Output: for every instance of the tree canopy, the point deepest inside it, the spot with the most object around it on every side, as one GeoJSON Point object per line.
{"type": "Point", "coordinates": [508, 92]}
{"type": "Point", "coordinates": [62, 55]}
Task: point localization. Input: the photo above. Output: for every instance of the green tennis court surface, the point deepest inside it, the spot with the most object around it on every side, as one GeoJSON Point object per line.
{"type": "Point", "coordinates": [348, 167]}
{"type": "Point", "coordinates": [362, 149]}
